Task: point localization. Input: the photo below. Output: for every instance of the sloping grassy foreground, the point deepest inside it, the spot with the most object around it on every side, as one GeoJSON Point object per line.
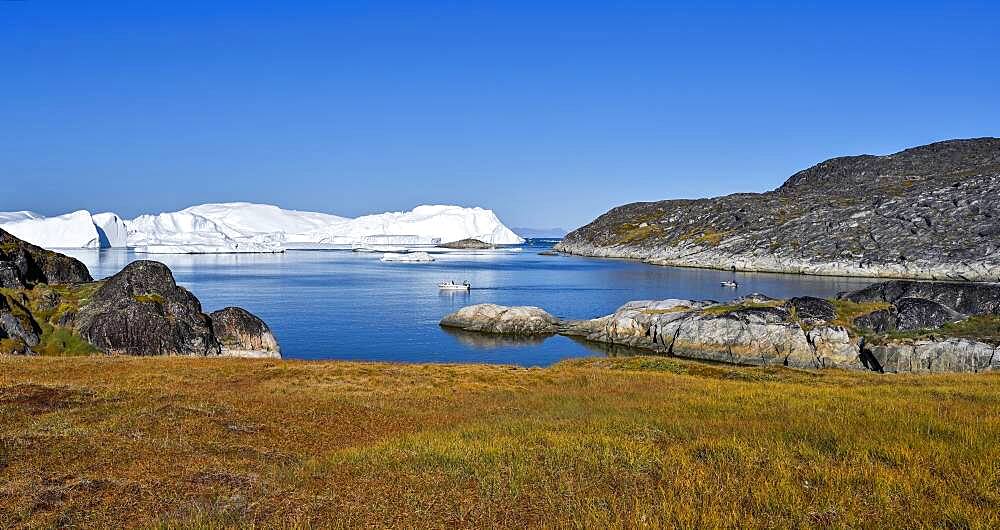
{"type": "Point", "coordinates": [625, 442]}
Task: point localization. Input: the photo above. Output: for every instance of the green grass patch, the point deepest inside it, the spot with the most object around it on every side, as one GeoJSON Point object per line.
{"type": "Point", "coordinates": [149, 297]}
{"type": "Point", "coordinates": [58, 341]}
{"type": "Point", "coordinates": [629, 232]}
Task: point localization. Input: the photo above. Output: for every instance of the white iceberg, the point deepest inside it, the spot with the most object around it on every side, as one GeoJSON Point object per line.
{"type": "Point", "coordinates": [241, 227]}
{"type": "Point", "coordinates": [79, 229]}
{"type": "Point", "coordinates": [412, 257]}
{"type": "Point", "coordinates": [72, 230]}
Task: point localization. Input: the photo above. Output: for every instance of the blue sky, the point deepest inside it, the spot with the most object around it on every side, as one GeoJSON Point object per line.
{"type": "Point", "coordinates": [548, 112]}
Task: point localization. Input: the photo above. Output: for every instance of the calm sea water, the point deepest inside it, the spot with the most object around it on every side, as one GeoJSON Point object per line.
{"type": "Point", "coordinates": [347, 305]}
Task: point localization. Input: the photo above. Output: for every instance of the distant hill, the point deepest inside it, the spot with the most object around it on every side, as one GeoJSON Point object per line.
{"type": "Point", "coordinates": [540, 233]}
{"type": "Point", "coordinates": [927, 212]}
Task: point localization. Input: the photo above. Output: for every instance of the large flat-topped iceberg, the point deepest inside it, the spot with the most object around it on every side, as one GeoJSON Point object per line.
{"type": "Point", "coordinates": [244, 218]}
{"type": "Point", "coordinates": [241, 227]}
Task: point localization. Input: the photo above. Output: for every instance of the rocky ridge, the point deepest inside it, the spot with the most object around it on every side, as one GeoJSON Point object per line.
{"type": "Point", "coordinates": [888, 327]}
{"type": "Point", "coordinates": [929, 212]}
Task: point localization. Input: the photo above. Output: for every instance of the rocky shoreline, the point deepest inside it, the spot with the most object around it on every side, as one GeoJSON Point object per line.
{"type": "Point", "coordinates": [929, 212]}
{"type": "Point", "coordinates": [720, 259]}
{"type": "Point", "coordinates": [900, 326]}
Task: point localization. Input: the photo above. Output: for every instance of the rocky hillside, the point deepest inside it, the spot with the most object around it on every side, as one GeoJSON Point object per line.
{"type": "Point", "coordinates": [898, 326]}
{"type": "Point", "coordinates": [929, 212]}
{"type": "Point", "coordinates": [50, 305]}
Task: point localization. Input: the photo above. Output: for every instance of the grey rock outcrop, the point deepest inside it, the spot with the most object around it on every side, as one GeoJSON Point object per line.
{"type": "Point", "coordinates": [929, 212]}
{"type": "Point", "coordinates": [23, 265]}
{"type": "Point", "coordinates": [946, 355]}
{"type": "Point", "coordinates": [142, 311]}
{"type": "Point", "coordinates": [753, 335]}
{"type": "Point", "coordinates": [241, 334]}
{"type": "Point", "coordinates": [492, 318]}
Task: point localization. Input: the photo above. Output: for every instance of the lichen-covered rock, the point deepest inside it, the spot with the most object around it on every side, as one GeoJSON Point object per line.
{"type": "Point", "coordinates": [242, 334]}
{"type": "Point", "coordinates": [492, 318]}
{"type": "Point", "coordinates": [142, 311]}
{"type": "Point", "coordinates": [23, 265]}
{"type": "Point", "coordinates": [928, 212]}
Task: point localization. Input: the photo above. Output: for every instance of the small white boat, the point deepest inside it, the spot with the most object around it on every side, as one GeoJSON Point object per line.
{"type": "Point", "coordinates": [413, 257]}
{"type": "Point", "coordinates": [452, 286]}
{"type": "Point", "coordinates": [729, 284]}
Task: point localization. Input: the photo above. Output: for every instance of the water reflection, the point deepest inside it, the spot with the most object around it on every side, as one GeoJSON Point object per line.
{"type": "Point", "coordinates": [608, 350]}
{"type": "Point", "coordinates": [492, 340]}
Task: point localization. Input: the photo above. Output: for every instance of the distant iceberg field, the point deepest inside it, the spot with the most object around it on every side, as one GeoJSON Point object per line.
{"type": "Point", "coordinates": [241, 227]}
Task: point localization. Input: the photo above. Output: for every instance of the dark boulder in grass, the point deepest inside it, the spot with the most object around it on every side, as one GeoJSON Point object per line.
{"type": "Point", "coordinates": [918, 313]}
{"type": "Point", "coordinates": [242, 334]}
{"type": "Point", "coordinates": [880, 321]}
{"type": "Point", "coordinates": [142, 311]}
{"type": "Point", "coordinates": [810, 308]}
{"type": "Point", "coordinates": [23, 265]}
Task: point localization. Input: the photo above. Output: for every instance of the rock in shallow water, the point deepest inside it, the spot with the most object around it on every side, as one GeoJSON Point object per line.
{"type": "Point", "coordinates": [492, 318]}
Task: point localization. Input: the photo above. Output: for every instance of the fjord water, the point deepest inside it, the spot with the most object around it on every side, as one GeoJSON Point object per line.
{"type": "Point", "coordinates": [349, 305]}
